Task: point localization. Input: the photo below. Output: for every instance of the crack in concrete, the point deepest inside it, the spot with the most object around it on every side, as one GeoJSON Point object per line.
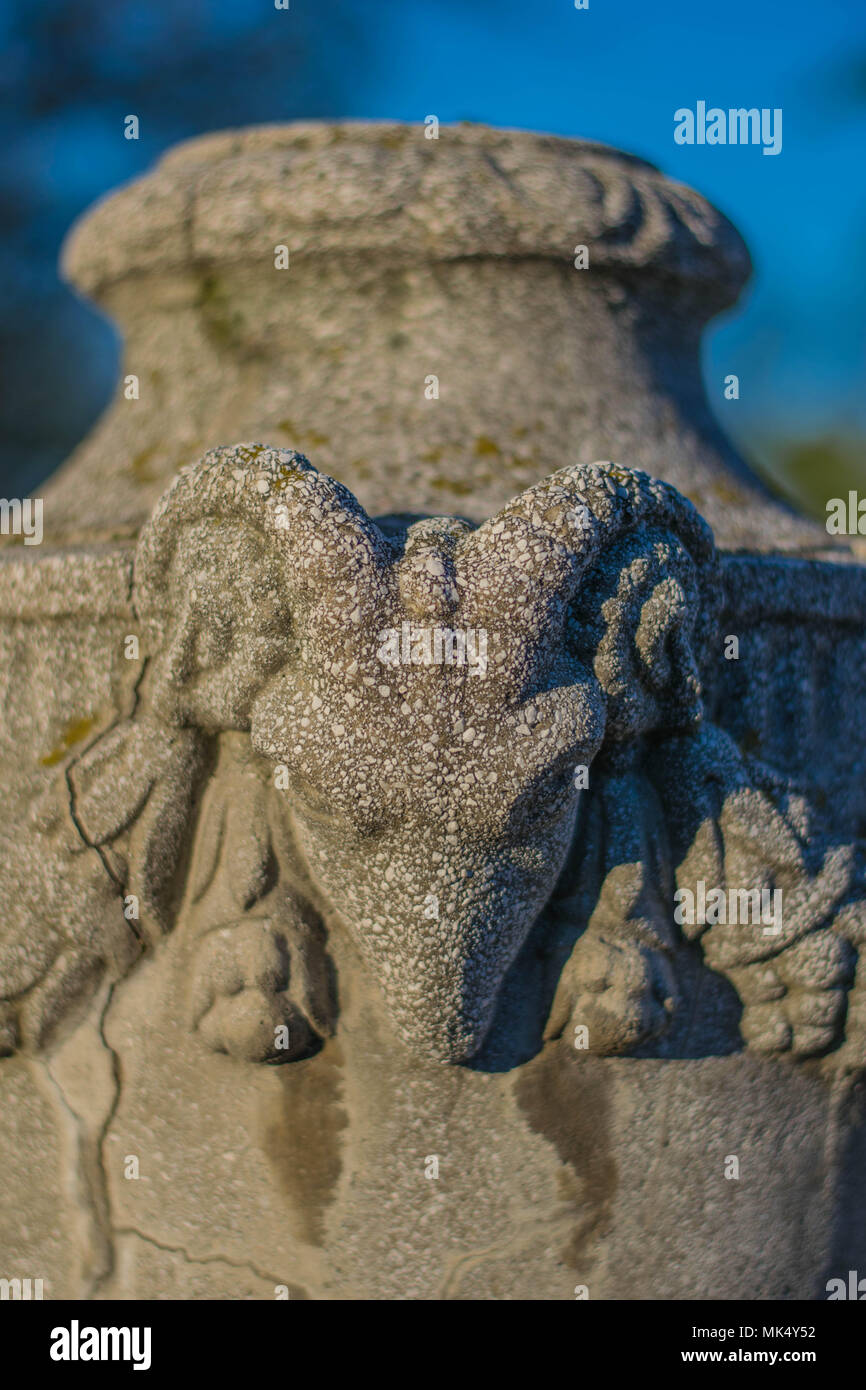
{"type": "Point", "coordinates": [87, 1184]}
{"type": "Point", "coordinates": [116, 1072]}
{"type": "Point", "coordinates": [121, 715]}
{"type": "Point", "coordinates": [246, 1265]}
{"type": "Point", "coordinates": [525, 1234]}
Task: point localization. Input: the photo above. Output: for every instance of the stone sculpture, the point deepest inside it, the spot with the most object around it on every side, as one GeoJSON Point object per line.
{"type": "Point", "coordinates": [407, 800]}
{"type": "Point", "coordinates": [267, 595]}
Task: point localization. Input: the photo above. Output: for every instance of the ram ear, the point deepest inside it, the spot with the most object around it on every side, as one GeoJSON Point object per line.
{"type": "Point", "coordinates": [546, 542]}
{"type": "Point", "coordinates": [112, 780]}
{"type": "Point", "coordinates": [142, 779]}
{"type": "Point", "coordinates": [313, 522]}
{"type": "Point", "coordinates": [161, 836]}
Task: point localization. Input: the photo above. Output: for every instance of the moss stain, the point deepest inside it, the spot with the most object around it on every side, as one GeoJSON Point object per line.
{"type": "Point", "coordinates": [727, 494]}
{"type": "Point", "coordinates": [74, 732]}
{"type": "Point", "coordinates": [458, 486]}
{"type": "Point", "coordinates": [310, 439]}
{"type": "Point", "coordinates": [223, 324]}
{"type": "Point", "coordinates": [140, 470]}
{"type": "Point", "coordinates": [394, 139]}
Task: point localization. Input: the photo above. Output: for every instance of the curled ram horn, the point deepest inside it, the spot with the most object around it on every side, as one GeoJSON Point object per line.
{"type": "Point", "coordinates": [546, 540]}
{"type": "Point", "coordinates": [321, 530]}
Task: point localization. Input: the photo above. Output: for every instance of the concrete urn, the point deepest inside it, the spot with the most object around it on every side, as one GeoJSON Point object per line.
{"type": "Point", "coordinates": [433, 763]}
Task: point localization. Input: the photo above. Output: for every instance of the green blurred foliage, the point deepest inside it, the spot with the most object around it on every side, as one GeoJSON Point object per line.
{"type": "Point", "coordinates": [809, 471]}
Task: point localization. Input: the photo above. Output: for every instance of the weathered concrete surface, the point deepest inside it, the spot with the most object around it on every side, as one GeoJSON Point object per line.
{"type": "Point", "coordinates": [569, 1171]}
{"type": "Point", "coordinates": [412, 258]}
{"type": "Point", "coordinates": [144, 1157]}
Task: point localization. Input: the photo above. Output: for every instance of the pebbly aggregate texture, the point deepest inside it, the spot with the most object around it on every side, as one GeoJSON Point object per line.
{"type": "Point", "coordinates": [459, 721]}
{"type": "Point", "coordinates": [345, 808]}
{"type": "Point", "coordinates": [430, 342]}
{"type": "Point", "coordinates": [354, 859]}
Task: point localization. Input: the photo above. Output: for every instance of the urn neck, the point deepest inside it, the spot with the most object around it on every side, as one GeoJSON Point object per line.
{"type": "Point", "coordinates": [415, 317]}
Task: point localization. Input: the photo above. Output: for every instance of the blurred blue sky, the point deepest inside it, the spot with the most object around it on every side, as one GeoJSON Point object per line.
{"type": "Point", "coordinates": [615, 72]}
